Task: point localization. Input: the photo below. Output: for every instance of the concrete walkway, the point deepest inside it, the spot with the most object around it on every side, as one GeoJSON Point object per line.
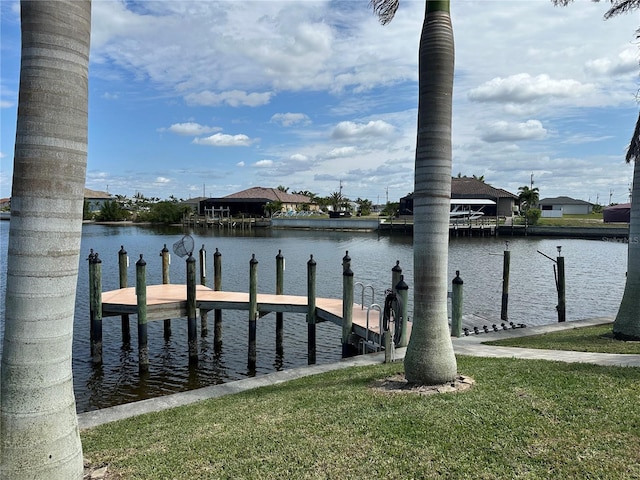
{"type": "Point", "coordinates": [471, 345]}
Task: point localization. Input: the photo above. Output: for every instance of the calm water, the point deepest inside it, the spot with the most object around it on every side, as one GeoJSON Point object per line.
{"type": "Point", "coordinates": [595, 272]}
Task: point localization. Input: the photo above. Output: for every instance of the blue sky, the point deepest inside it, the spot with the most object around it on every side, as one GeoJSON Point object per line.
{"type": "Point", "coordinates": [201, 97]}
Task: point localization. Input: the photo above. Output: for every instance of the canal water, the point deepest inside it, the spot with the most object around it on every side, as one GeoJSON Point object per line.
{"type": "Point", "coordinates": [595, 275]}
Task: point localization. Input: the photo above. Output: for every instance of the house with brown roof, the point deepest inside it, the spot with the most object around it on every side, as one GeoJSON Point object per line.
{"type": "Point", "coordinates": [499, 202]}
{"type": "Point", "coordinates": [252, 201]}
{"type": "Point", "coordinates": [96, 199]}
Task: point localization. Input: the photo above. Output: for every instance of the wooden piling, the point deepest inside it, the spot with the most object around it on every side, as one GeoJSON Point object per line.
{"type": "Point", "coordinates": [456, 305]}
{"type": "Point", "coordinates": [192, 331]}
{"type": "Point", "coordinates": [561, 289]}
{"type": "Point", "coordinates": [311, 311]}
{"type": "Point", "coordinates": [217, 314]}
{"type": "Point", "coordinates": [279, 315]}
{"type": "Point", "coordinates": [402, 293]}
{"type": "Point", "coordinates": [166, 261]}
{"type": "Point", "coordinates": [92, 293]}
{"type": "Point", "coordinates": [348, 349]}
{"type": "Point", "coordinates": [96, 319]}
{"type": "Point", "coordinates": [253, 310]}
{"type": "Point", "coordinates": [396, 272]}
{"type": "Point", "coordinates": [141, 296]}
{"type": "Point", "coordinates": [123, 264]}
{"type": "Point", "coordinates": [204, 328]}
{"type": "Point", "coordinates": [505, 284]}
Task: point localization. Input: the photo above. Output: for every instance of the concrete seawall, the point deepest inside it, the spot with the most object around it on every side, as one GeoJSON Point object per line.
{"type": "Point", "coordinates": [326, 223]}
{"type": "Point", "coordinates": [613, 233]}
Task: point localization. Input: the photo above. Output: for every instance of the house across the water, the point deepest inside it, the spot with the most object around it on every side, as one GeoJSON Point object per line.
{"type": "Point", "coordinates": [469, 195]}
{"type": "Point", "coordinates": [252, 202]}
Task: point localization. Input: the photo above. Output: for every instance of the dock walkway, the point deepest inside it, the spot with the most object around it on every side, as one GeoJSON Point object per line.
{"type": "Point", "coordinates": [170, 301]}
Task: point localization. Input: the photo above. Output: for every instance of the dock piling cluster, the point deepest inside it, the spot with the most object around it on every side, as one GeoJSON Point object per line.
{"type": "Point", "coordinates": [191, 306]}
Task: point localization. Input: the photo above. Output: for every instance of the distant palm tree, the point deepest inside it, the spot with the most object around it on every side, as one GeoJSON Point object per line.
{"type": "Point", "coordinates": [430, 359]}
{"type": "Point", "coordinates": [528, 197]}
{"type": "Point", "coordinates": [39, 435]}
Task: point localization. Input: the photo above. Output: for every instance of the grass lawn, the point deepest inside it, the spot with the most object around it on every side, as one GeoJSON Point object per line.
{"type": "Point", "coordinates": [587, 339]}
{"type": "Point", "coordinates": [528, 419]}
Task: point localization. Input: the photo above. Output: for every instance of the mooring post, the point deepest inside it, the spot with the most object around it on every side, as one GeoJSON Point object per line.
{"type": "Point", "coordinates": [92, 294]}
{"type": "Point", "coordinates": [456, 305]}
{"type": "Point", "coordinates": [396, 272]}
{"type": "Point", "coordinates": [279, 291]}
{"type": "Point", "coordinates": [96, 326]}
{"type": "Point", "coordinates": [402, 292]}
{"type": "Point", "coordinates": [141, 295]}
{"type": "Point", "coordinates": [505, 282]}
{"type": "Point", "coordinates": [204, 328]}
{"type": "Point", "coordinates": [217, 314]}
{"type": "Point", "coordinates": [253, 310]}
{"type": "Point", "coordinates": [123, 265]}
{"type": "Point", "coordinates": [346, 262]}
{"type": "Point", "coordinates": [561, 287]}
{"type": "Point", "coordinates": [347, 308]}
{"type": "Point", "coordinates": [166, 261]}
{"type": "Point", "coordinates": [192, 331]}
{"type": "Point", "coordinates": [311, 311]}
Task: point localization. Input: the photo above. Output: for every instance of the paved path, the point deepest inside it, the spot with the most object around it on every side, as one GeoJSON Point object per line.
{"type": "Point", "coordinates": [470, 345]}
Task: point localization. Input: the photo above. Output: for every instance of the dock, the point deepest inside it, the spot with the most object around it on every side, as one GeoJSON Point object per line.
{"type": "Point", "coordinates": [170, 301]}
{"type": "Point", "coordinates": [366, 328]}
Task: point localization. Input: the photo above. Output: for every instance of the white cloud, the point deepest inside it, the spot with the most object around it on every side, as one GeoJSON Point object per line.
{"type": "Point", "coordinates": [162, 180]}
{"type": "Point", "coordinates": [240, 164]}
{"type": "Point", "coordinates": [233, 98]}
{"type": "Point", "coordinates": [523, 88]}
{"type": "Point", "coordinates": [625, 63]}
{"type": "Point", "coordinates": [289, 119]}
{"type": "Point", "coordinates": [224, 140]}
{"type": "Point", "coordinates": [341, 152]}
{"type": "Point", "coordinates": [298, 157]}
{"type": "Point", "coordinates": [375, 128]}
{"type": "Point", "coordinates": [509, 132]}
{"type": "Point", "coordinates": [191, 129]}
{"type": "Point", "coordinates": [263, 163]}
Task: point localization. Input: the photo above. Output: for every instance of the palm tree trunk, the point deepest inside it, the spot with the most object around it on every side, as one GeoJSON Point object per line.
{"type": "Point", "coordinates": [627, 323]}
{"type": "Point", "coordinates": [39, 435]}
{"type": "Point", "coordinates": [430, 358]}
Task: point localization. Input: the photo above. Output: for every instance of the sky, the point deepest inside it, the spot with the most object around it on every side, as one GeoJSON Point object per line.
{"type": "Point", "coordinates": [208, 98]}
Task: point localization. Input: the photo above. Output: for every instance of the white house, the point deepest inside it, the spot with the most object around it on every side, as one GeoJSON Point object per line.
{"type": "Point", "coordinates": [558, 206]}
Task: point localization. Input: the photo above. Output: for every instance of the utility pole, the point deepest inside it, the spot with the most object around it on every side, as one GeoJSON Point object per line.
{"type": "Point", "coordinates": [610, 195]}
{"type": "Point", "coordinates": [531, 184]}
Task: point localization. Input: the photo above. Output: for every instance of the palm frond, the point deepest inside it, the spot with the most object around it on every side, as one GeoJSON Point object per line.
{"type": "Point", "coordinates": [633, 153]}
{"type": "Point", "coordinates": [384, 9]}
{"type": "Point", "coordinates": [617, 6]}
{"type": "Point", "coordinates": [621, 6]}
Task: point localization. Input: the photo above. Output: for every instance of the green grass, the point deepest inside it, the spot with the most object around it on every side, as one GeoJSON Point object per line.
{"type": "Point", "coordinates": [590, 220]}
{"type": "Point", "coordinates": [588, 339]}
{"type": "Point", "coordinates": [528, 419]}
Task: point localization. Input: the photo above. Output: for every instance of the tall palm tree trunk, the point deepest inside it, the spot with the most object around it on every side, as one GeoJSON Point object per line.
{"type": "Point", "coordinates": [430, 358]}
{"type": "Point", "coordinates": [627, 323]}
{"type": "Point", "coordinates": [39, 436]}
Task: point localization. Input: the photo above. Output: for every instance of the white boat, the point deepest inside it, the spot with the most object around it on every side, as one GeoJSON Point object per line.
{"type": "Point", "coordinates": [467, 209]}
